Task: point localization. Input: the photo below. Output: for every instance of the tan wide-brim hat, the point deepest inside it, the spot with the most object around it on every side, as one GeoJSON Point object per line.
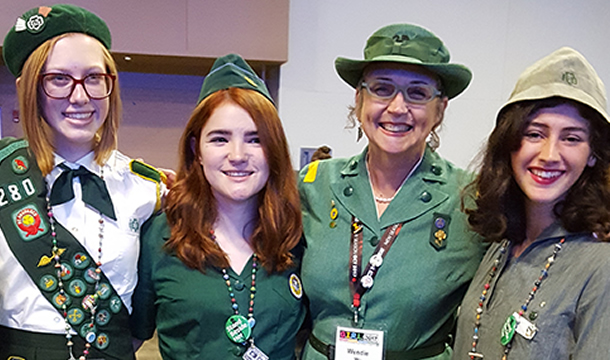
{"type": "Point", "coordinates": [564, 73]}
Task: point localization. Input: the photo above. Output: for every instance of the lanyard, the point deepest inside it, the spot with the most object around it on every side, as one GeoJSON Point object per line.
{"type": "Point", "coordinates": [360, 284]}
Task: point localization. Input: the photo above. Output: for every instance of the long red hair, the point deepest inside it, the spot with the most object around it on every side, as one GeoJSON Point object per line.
{"type": "Point", "coordinates": [191, 207]}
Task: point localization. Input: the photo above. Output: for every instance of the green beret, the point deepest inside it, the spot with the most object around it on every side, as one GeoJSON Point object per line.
{"type": "Point", "coordinates": [232, 71]}
{"type": "Point", "coordinates": [40, 24]}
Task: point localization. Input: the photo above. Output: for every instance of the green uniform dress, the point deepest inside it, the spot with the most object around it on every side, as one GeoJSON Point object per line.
{"type": "Point", "coordinates": [424, 275]}
{"type": "Point", "coordinates": [189, 309]}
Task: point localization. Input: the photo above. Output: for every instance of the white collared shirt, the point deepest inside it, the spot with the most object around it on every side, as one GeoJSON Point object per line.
{"type": "Point", "coordinates": [135, 199]}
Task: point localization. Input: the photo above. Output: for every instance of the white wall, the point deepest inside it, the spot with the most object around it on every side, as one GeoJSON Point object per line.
{"type": "Point", "coordinates": [496, 39]}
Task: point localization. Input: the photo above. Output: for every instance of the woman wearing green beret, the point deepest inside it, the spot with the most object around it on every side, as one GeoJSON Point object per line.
{"type": "Point", "coordinates": [219, 269]}
{"type": "Point", "coordinates": [543, 201]}
{"type": "Point", "coordinates": [71, 205]}
{"type": "Point", "coordinates": [388, 254]}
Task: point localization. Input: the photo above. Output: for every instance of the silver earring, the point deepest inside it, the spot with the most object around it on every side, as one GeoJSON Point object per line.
{"type": "Point", "coordinates": [360, 134]}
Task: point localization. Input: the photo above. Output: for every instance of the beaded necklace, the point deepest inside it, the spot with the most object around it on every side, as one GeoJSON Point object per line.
{"type": "Point", "coordinates": [239, 328]}
{"type": "Point", "coordinates": [89, 302]}
{"type": "Point", "coordinates": [508, 330]}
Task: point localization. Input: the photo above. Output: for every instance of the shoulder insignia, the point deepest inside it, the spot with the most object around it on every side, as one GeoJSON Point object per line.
{"type": "Point", "coordinates": [312, 171]}
{"type": "Point", "coordinates": [145, 171]}
{"type": "Point", "coordinates": [149, 173]}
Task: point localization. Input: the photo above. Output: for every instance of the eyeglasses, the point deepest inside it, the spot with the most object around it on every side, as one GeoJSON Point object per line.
{"type": "Point", "coordinates": [413, 93]}
{"type": "Point", "coordinates": [61, 86]}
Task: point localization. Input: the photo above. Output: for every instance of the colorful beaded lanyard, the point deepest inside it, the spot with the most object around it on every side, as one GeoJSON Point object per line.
{"type": "Point", "coordinates": [508, 330]}
{"type": "Point", "coordinates": [239, 328]}
{"type": "Point", "coordinates": [89, 302]}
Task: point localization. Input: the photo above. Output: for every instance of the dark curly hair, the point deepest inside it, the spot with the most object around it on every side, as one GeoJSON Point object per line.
{"type": "Point", "coordinates": [500, 211]}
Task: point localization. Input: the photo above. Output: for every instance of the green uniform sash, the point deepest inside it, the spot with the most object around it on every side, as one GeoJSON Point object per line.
{"type": "Point", "coordinates": [25, 224]}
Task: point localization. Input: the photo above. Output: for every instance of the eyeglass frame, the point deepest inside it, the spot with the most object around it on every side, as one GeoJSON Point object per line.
{"type": "Point", "coordinates": [76, 82]}
{"type": "Point", "coordinates": [403, 90]}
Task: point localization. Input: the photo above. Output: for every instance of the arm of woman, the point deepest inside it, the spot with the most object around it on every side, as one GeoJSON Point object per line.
{"type": "Point", "coordinates": [143, 316]}
{"type": "Point", "coordinates": [592, 322]}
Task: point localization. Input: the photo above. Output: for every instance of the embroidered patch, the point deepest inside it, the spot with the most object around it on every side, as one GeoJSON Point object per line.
{"type": "Point", "coordinates": [104, 291]}
{"type": "Point", "coordinates": [102, 341]}
{"type": "Point", "coordinates": [296, 288]}
{"type": "Point", "coordinates": [77, 288]}
{"type": "Point", "coordinates": [80, 260]}
{"type": "Point", "coordinates": [115, 304]}
{"type": "Point", "coordinates": [20, 165]}
{"type": "Point", "coordinates": [102, 318]}
{"type": "Point", "coordinates": [29, 223]}
{"type": "Point", "coordinates": [75, 316]}
{"type": "Point", "coordinates": [91, 276]}
{"type": "Point", "coordinates": [87, 329]}
{"type": "Point", "coordinates": [48, 283]}
{"type": "Point", "coordinates": [60, 299]}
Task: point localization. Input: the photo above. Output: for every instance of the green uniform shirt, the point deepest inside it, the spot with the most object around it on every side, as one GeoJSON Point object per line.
{"type": "Point", "coordinates": [419, 287]}
{"type": "Point", "coordinates": [189, 309]}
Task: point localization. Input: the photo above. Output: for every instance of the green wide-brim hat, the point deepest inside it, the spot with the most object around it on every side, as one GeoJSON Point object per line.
{"type": "Point", "coordinates": [40, 24]}
{"type": "Point", "coordinates": [564, 73]}
{"type": "Point", "coordinates": [407, 44]}
{"type": "Point", "coordinates": [232, 71]}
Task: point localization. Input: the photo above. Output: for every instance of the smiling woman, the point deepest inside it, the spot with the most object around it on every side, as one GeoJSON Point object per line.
{"type": "Point", "coordinates": [389, 218]}
{"type": "Point", "coordinates": [67, 294]}
{"type": "Point", "coordinates": [543, 200]}
{"type": "Point", "coordinates": [219, 270]}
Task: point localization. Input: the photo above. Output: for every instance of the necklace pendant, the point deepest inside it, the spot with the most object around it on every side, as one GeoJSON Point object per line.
{"type": "Point", "coordinates": [237, 329]}
{"type": "Point", "coordinates": [508, 330]}
{"type": "Point", "coordinates": [251, 322]}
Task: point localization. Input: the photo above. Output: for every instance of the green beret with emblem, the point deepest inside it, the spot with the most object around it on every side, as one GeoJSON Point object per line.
{"type": "Point", "coordinates": [232, 71]}
{"type": "Point", "coordinates": [40, 24]}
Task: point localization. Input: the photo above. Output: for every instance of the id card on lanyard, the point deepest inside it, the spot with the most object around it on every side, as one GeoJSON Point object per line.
{"type": "Point", "coordinates": [358, 344]}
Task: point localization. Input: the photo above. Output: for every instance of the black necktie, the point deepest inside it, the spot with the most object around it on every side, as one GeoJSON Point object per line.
{"type": "Point", "coordinates": [95, 193]}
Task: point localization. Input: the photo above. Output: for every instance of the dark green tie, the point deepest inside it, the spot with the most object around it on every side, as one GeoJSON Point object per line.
{"type": "Point", "coordinates": [95, 193]}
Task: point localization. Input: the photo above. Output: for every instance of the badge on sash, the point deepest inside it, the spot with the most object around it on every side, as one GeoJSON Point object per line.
{"type": "Point", "coordinates": [352, 344]}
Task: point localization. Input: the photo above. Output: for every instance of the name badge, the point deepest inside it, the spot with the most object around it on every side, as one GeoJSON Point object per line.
{"type": "Point", "coordinates": [524, 327]}
{"type": "Point", "coordinates": [358, 344]}
{"type": "Point", "coordinates": [254, 353]}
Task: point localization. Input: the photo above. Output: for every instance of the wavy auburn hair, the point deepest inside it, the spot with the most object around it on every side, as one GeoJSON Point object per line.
{"type": "Point", "coordinates": [192, 209]}
{"type": "Point", "coordinates": [500, 209]}
{"type": "Point", "coordinates": [36, 129]}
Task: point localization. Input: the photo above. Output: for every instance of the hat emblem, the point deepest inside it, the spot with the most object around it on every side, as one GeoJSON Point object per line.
{"type": "Point", "coordinates": [569, 78]}
{"type": "Point", "coordinates": [33, 21]}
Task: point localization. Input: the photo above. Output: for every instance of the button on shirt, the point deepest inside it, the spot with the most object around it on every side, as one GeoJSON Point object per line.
{"type": "Point", "coordinates": [134, 199]}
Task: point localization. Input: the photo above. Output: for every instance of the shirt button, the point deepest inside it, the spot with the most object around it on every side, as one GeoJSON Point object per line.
{"type": "Point", "coordinates": [374, 241]}
{"type": "Point", "coordinates": [348, 191]}
{"type": "Point", "coordinates": [353, 165]}
{"type": "Point", "coordinates": [239, 286]}
{"type": "Point", "coordinates": [436, 170]}
{"type": "Point", "coordinates": [425, 197]}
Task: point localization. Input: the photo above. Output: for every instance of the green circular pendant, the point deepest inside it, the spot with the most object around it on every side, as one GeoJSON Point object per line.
{"type": "Point", "coordinates": [237, 328]}
{"type": "Point", "coordinates": [508, 330]}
